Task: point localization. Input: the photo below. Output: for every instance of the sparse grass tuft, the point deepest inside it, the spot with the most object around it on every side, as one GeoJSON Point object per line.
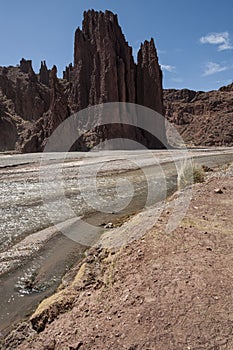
{"type": "Point", "coordinates": [189, 175]}
{"type": "Point", "coordinates": [198, 174]}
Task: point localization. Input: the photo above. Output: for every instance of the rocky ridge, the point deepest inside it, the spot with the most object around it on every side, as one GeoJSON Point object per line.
{"type": "Point", "coordinates": [202, 118]}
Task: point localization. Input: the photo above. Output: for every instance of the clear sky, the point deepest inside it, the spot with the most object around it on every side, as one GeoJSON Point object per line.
{"type": "Point", "coordinates": [194, 38]}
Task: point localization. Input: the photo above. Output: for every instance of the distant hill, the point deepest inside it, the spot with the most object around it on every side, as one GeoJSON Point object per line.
{"type": "Point", "coordinates": [202, 118]}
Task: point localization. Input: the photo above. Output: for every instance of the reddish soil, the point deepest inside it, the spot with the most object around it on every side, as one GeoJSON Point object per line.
{"type": "Point", "coordinates": [163, 291]}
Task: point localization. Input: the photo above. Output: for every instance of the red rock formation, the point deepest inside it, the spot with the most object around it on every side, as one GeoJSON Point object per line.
{"type": "Point", "coordinates": [35, 138]}
{"type": "Point", "coordinates": [202, 118]}
{"type": "Point", "coordinates": [103, 62]}
{"type": "Point", "coordinates": [32, 106]}
{"type": "Point", "coordinates": [19, 85]}
{"type": "Point", "coordinates": [67, 73]}
{"type": "Point", "coordinates": [149, 78]}
{"type": "Point", "coordinates": [44, 74]}
{"type": "Point", "coordinates": [26, 67]}
{"type": "Point", "coordinates": [103, 71]}
{"type": "Point", "coordinates": [23, 101]}
{"type": "Point", "coordinates": [59, 109]}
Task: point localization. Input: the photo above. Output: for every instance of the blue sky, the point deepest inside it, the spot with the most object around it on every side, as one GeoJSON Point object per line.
{"type": "Point", "coordinates": [194, 38]}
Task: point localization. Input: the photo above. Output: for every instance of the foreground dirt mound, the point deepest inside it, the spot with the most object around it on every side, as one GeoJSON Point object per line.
{"type": "Point", "coordinates": [163, 291]}
{"type": "Point", "coordinates": [202, 118]}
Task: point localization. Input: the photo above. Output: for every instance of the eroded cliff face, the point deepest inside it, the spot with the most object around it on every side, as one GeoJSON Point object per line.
{"type": "Point", "coordinates": [23, 101]}
{"type": "Point", "coordinates": [103, 62]}
{"type": "Point", "coordinates": [35, 137]}
{"type": "Point", "coordinates": [149, 78]}
{"type": "Point", "coordinates": [20, 85]}
{"type": "Point", "coordinates": [202, 118]}
{"type": "Point", "coordinates": [103, 71]}
{"type": "Point", "coordinates": [8, 132]}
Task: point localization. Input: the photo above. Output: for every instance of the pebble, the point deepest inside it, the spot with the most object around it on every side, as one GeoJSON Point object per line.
{"type": "Point", "coordinates": [109, 225]}
{"type": "Point", "coordinates": [218, 190]}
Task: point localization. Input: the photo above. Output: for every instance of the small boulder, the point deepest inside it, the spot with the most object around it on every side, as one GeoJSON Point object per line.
{"type": "Point", "coordinates": [218, 190]}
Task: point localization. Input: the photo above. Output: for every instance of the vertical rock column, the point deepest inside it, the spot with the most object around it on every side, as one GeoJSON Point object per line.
{"type": "Point", "coordinates": [150, 91]}
{"type": "Point", "coordinates": [149, 78]}
{"type": "Point", "coordinates": [103, 61]}
{"type": "Point", "coordinates": [104, 71]}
